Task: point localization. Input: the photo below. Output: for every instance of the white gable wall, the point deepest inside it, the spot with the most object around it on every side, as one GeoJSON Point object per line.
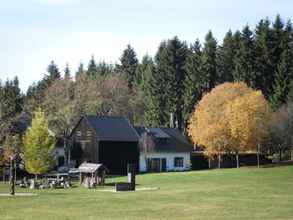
{"type": "Point", "coordinates": [169, 160]}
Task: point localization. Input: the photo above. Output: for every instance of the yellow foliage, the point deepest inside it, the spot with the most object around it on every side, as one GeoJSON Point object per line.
{"type": "Point", "coordinates": [231, 118]}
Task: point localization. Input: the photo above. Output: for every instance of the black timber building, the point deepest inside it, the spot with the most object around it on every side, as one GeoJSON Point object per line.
{"type": "Point", "coordinates": [111, 141]}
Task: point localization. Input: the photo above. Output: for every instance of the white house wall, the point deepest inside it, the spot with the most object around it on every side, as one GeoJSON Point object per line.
{"type": "Point", "coordinates": [169, 160]}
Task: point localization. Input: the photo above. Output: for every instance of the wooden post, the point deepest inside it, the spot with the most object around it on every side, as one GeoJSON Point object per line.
{"type": "Point", "coordinates": [131, 175]}
{"type": "Point", "coordinates": [80, 178]}
{"type": "Point", "coordinates": [11, 174]}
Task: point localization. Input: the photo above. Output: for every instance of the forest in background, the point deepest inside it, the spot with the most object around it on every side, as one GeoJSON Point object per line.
{"type": "Point", "coordinates": [160, 90]}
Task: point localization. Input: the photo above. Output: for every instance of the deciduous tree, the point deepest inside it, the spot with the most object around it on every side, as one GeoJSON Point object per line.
{"type": "Point", "coordinates": [38, 145]}
{"type": "Point", "coordinates": [231, 118]}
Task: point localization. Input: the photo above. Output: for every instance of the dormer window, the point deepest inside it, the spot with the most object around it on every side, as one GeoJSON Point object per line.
{"type": "Point", "coordinates": [78, 133]}
{"type": "Point", "coordinates": [89, 133]}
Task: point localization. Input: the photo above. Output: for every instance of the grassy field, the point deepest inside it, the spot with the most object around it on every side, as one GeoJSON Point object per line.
{"type": "Point", "coordinates": [247, 193]}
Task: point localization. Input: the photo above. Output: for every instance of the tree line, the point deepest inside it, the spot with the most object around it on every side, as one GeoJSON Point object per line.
{"type": "Point", "coordinates": [160, 90]}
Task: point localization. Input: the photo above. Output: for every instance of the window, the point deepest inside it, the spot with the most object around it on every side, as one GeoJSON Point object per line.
{"type": "Point", "coordinates": [178, 162]}
{"type": "Point", "coordinates": [78, 133]}
{"type": "Point", "coordinates": [89, 133]}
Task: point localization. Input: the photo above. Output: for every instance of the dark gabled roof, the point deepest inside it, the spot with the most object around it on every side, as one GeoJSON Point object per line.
{"type": "Point", "coordinates": [91, 167]}
{"type": "Point", "coordinates": [109, 128]}
{"type": "Point", "coordinates": [172, 139]}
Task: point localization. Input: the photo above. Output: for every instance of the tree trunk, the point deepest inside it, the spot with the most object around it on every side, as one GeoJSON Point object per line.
{"type": "Point", "coordinates": [280, 155]}
{"type": "Point", "coordinates": [219, 161]}
{"type": "Point", "coordinates": [291, 154]}
{"type": "Point", "coordinates": [257, 155]}
{"type": "Point", "coordinates": [209, 163]}
{"type": "Point", "coordinates": [36, 177]}
{"type": "Point", "coordinates": [237, 159]}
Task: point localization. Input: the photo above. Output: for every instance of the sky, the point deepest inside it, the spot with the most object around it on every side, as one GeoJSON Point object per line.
{"type": "Point", "coordinates": [34, 32]}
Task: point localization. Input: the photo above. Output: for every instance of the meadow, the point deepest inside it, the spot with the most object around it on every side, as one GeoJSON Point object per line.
{"type": "Point", "coordinates": [245, 193]}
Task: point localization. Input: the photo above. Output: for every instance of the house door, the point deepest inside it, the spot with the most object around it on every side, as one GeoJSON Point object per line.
{"type": "Point", "coordinates": [163, 165]}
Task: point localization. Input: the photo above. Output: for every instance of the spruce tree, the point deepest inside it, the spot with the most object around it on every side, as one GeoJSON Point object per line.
{"type": "Point", "coordinates": [53, 71]}
{"type": "Point", "coordinates": [209, 62]}
{"type": "Point", "coordinates": [67, 72]}
{"type": "Point", "coordinates": [244, 59]}
{"type": "Point", "coordinates": [157, 113]}
{"type": "Point", "coordinates": [80, 70]}
{"type": "Point", "coordinates": [128, 65]}
{"type": "Point", "coordinates": [282, 89]}
{"type": "Point", "coordinates": [170, 62]}
{"type": "Point", "coordinates": [264, 58]}
{"type": "Point", "coordinates": [193, 81]}
{"type": "Point", "coordinates": [226, 57]}
{"type": "Point", "coordinates": [92, 68]}
{"type": "Point", "coordinates": [104, 69]}
{"type": "Point", "coordinates": [277, 39]}
{"type": "Point", "coordinates": [143, 73]}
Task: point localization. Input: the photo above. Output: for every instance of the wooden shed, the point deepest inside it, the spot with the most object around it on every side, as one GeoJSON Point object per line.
{"type": "Point", "coordinates": [92, 174]}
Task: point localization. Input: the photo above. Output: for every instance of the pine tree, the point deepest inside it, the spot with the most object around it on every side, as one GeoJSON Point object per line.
{"type": "Point", "coordinates": [170, 60]}
{"type": "Point", "coordinates": [226, 57]}
{"type": "Point", "coordinates": [38, 145]}
{"type": "Point", "coordinates": [209, 62]}
{"type": "Point", "coordinates": [53, 71]}
{"type": "Point", "coordinates": [67, 72]}
{"type": "Point", "coordinates": [264, 59]}
{"type": "Point", "coordinates": [143, 72]}
{"type": "Point", "coordinates": [129, 64]}
{"type": "Point", "coordinates": [156, 113]}
{"type": "Point", "coordinates": [193, 80]}
{"type": "Point", "coordinates": [92, 68]}
{"type": "Point", "coordinates": [80, 70]}
{"type": "Point", "coordinates": [11, 99]}
{"type": "Point", "coordinates": [282, 89]}
{"type": "Point", "coordinates": [277, 39]}
{"type": "Point", "coordinates": [104, 69]}
{"type": "Point", "coordinates": [244, 59]}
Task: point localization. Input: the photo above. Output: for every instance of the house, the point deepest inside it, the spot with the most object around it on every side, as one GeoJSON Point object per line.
{"type": "Point", "coordinates": [163, 149]}
{"type": "Point", "coordinates": [107, 140]}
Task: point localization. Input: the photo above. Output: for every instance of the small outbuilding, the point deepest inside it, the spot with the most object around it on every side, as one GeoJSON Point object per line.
{"type": "Point", "coordinates": [92, 174]}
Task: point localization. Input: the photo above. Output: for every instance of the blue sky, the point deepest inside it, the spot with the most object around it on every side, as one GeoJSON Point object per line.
{"type": "Point", "coordinates": [34, 32]}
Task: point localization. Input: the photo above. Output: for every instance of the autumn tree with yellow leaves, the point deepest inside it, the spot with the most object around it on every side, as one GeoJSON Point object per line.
{"type": "Point", "coordinates": [232, 118]}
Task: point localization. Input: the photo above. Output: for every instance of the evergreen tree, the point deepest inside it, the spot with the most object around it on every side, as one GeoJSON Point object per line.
{"type": "Point", "coordinates": [277, 40]}
{"type": "Point", "coordinates": [53, 71]}
{"type": "Point", "coordinates": [67, 72]}
{"type": "Point", "coordinates": [129, 64]}
{"type": "Point", "coordinates": [282, 89]}
{"type": "Point", "coordinates": [11, 99]}
{"type": "Point", "coordinates": [264, 59]}
{"type": "Point", "coordinates": [80, 70]}
{"type": "Point", "coordinates": [170, 61]}
{"type": "Point", "coordinates": [244, 59]}
{"type": "Point", "coordinates": [156, 113]}
{"type": "Point", "coordinates": [209, 62]}
{"type": "Point", "coordinates": [143, 72]}
{"type": "Point", "coordinates": [104, 69]}
{"type": "Point", "coordinates": [38, 145]}
{"type": "Point", "coordinates": [92, 68]}
{"type": "Point", "coordinates": [193, 80]}
{"type": "Point", "coordinates": [226, 57]}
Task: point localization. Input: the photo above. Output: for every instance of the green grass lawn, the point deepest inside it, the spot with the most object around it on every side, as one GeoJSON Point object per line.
{"type": "Point", "coordinates": [247, 193]}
